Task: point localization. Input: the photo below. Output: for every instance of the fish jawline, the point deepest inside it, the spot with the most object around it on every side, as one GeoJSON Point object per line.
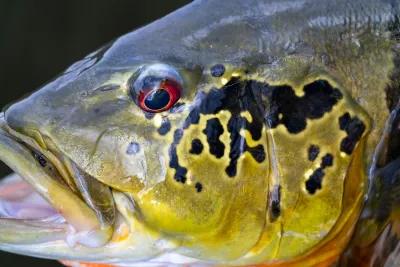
{"type": "Point", "coordinates": [59, 214]}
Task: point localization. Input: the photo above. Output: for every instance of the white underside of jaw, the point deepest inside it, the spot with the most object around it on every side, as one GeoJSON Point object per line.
{"type": "Point", "coordinates": [18, 200]}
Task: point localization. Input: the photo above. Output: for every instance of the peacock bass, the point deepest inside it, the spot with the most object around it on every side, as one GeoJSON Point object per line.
{"type": "Point", "coordinates": [228, 133]}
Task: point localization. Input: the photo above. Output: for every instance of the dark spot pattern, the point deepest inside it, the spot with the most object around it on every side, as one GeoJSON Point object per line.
{"type": "Point", "coordinates": [344, 121]}
{"type": "Point", "coordinates": [217, 70]}
{"type": "Point", "coordinates": [313, 152]}
{"type": "Point", "coordinates": [197, 147]}
{"type": "Point", "coordinates": [315, 181]}
{"type": "Point", "coordinates": [213, 131]}
{"type": "Point", "coordinates": [319, 98]}
{"type": "Point", "coordinates": [180, 172]}
{"type": "Point", "coordinates": [280, 103]}
{"type": "Point", "coordinates": [133, 148]}
{"type": "Point", "coordinates": [327, 161]}
{"type": "Point", "coordinates": [199, 187]}
{"type": "Point", "coordinates": [236, 96]}
{"type": "Point", "coordinates": [40, 158]}
{"type": "Point", "coordinates": [165, 127]}
{"type": "Point", "coordinates": [354, 128]}
{"type": "Point", "coordinates": [275, 200]}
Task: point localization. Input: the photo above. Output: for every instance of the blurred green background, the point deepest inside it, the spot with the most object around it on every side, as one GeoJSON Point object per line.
{"type": "Point", "coordinates": [40, 38]}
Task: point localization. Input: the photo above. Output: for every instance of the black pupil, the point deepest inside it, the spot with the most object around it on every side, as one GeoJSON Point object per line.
{"type": "Point", "coordinates": [158, 99]}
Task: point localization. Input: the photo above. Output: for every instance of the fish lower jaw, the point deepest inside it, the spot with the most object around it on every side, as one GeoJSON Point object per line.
{"type": "Point", "coordinates": [23, 209]}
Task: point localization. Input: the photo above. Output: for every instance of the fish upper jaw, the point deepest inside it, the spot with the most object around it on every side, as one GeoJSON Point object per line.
{"type": "Point", "coordinates": [39, 168]}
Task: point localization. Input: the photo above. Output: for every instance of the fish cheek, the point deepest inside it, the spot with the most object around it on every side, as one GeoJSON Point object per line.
{"type": "Point", "coordinates": [210, 209]}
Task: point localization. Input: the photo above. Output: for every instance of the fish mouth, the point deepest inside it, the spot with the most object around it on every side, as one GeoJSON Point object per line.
{"type": "Point", "coordinates": [49, 198]}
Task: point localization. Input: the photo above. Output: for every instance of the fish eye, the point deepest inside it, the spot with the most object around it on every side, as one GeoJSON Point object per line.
{"type": "Point", "coordinates": [157, 88]}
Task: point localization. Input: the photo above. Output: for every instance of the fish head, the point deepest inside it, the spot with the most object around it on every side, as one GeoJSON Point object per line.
{"type": "Point", "coordinates": [135, 153]}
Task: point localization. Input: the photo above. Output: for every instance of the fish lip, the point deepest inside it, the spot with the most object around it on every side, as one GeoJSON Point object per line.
{"type": "Point", "coordinates": [40, 147]}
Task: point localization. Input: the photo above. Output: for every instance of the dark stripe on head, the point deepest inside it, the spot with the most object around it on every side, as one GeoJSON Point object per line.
{"type": "Point", "coordinates": [165, 127]}
{"type": "Point", "coordinates": [319, 98]}
{"type": "Point", "coordinates": [213, 131]}
{"type": "Point", "coordinates": [236, 97]}
{"type": "Point", "coordinates": [180, 172]}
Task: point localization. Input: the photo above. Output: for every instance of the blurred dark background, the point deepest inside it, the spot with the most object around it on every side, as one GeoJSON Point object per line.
{"type": "Point", "coordinates": [40, 38]}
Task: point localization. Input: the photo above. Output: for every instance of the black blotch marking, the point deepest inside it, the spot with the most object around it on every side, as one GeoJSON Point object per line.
{"type": "Point", "coordinates": [354, 128]}
{"type": "Point", "coordinates": [239, 96]}
{"type": "Point", "coordinates": [236, 96]}
{"type": "Point", "coordinates": [217, 70]}
{"type": "Point", "coordinates": [199, 187]}
{"type": "Point", "coordinates": [165, 127]}
{"type": "Point", "coordinates": [314, 182]}
{"type": "Point", "coordinates": [257, 152]}
{"type": "Point", "coordinates": [133, 148]}
{"type": "Point", "coordinates": [327, 161]}
{"type": "Point", "coordinates": [313, 152]}
{"type": "Point", "coordinates": [197, 147]}
{"type": "Point", "coordinates": [40, 158]}
{"type": "Point", "coordinates": [177, 108]}
{"type": "Point", "coordinates": [319, 98]}
{"type": "Point", "coordinates": [344, 121]}
{"type": "Point", "coordinates": [213, 131]}
{"type": "Point", "coordinates": [275, 206]}
{"type": "Point", "coordinates": [180, 172]}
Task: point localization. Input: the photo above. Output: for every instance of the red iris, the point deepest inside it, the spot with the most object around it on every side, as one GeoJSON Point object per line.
{"type": "Point", "coordinates": [161, 98]}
